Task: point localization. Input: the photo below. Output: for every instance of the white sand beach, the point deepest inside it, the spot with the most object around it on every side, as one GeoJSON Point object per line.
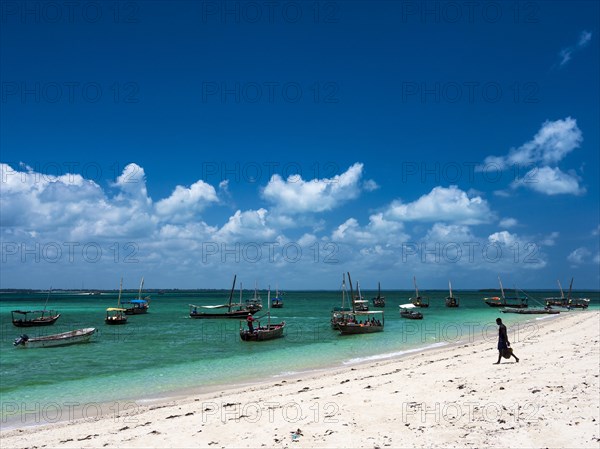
{"type": "Point", "coordinates": [447, 397]}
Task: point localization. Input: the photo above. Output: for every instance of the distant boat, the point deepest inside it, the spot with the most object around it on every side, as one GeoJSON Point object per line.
{"type": "Point", "coordinates": [529, 311]}
{"type": "Point", "coordinates": [254, 304]}
{"type": "Point", "coordinates": [576, 303]}
{"type": "Point", "coordinates": [116, 315]}
{"type": "Point", "coordinates": [277, 302]}
{"type": "Point", "coordinates": [263, 333]}
{"type": "Point", "coordinates": [360, 303]}
{"type": "Point", "coordinates": [358, 322]}
{"type": "Point", "coordinates": [139, 305]}
{"type": "Point", "coordinates": [337, 314]}
{"type": "Point", "coordinates": [515, 302]}
{"type": "Point", "coordinates": [418, 300]}
{"type": "Point", "coordinates": [233, 310]}
{"type": "Point", "coordinates": [451, 301]}
{"type": "Point", "coordinates": [555, 301]}
{"type": "Point", "coordinates": [378, 301]}
{"type": "Point", "coordinates": [63, 339]}
{"type": "Point", "coordinates": [406, 312]}
{"type": "Point", "coordinates": [32, 318]}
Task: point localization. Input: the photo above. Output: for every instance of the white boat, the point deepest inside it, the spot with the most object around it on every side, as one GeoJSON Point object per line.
{"type": "Point", "coordinates": [63, 339]}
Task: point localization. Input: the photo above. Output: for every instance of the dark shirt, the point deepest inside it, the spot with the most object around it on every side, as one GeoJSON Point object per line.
{"type": "Point", "coordinates": [502, 336]}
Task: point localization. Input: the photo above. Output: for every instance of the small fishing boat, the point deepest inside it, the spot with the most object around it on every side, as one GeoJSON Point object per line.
{"type": "Point", "coordinates": [515, 302]}
{"type": "Point", "coordinates": [254, 304]}
{"type": "Point", "coordinates": [32, 318]}
{"type": "Point", "coordinates": [378, 301]}
{"type": "Point", "coordinates": [63, 339]}
{"type": "Point", "coordinates": [116, 315]}
{"type": "Point", "coordinates": [337, 313]}
{"type": "Point", "coordinates": [263, 333]}
{"type": "Point", "coordinates": [233, 310]}
{"type": "Point", "coordinates": [357, 321]}
{"type": "Point", "coordinates": [532, 311]}
{"type": "Point", "coordinates": [277, 302]}
{"type": "Point", "coordinates": [406, 312]}
{"type": "Point", "coordinates": [451, 301]}
{"type": "Point", "coordinates": [139, 305]}
{"type": "Point", "coordinates": [418, 300]}
{"type": "Point", "coordinates": [555, 301]}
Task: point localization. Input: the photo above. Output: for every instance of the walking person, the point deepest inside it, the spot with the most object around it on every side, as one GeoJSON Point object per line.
{"type": "Point", "coordinates": [503, 343]}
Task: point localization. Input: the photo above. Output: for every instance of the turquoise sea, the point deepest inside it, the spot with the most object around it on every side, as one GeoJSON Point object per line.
{"type": "Point", "coordinates": [165, 352]}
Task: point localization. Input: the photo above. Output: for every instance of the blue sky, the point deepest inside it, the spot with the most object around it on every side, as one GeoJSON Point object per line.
{"type": "Point", "coordinates": [289, 142]}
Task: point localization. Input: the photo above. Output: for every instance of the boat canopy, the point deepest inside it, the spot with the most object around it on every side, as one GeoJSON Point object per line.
{"type": "Point", "coordinates": [138, 301]}
{"type": "Point", "coordinates": [408, 306]}
{"type": "Point", "coordinates": [221, 306]}
{"type": "Point", "coordinates": [115, 309]}
{"type": "Point", "coordinates": [360, 312]}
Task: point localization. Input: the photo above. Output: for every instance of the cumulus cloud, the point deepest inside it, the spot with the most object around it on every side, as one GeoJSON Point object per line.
{"type": "Point", "coordinates": [553, 141]}
{"type": "Point", "coordinates": [579, 256]}
{"type": "Point", "coordinates": [184, 203]}
{"type": "Point", "coordinates": [550, 181]}
{"type": "Point", "coordinates": [296, 195]}
{"type": "Point", "coordinates": [442, 204]}
{"type": "Point", "coordinates": [379, 230]}
{"type": "Point", "coordinates": [249, 224]}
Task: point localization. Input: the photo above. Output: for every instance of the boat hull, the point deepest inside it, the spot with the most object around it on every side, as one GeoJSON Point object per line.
{"type": "Point", "coordinates": [115, 321]}
{"type": "Point", "coordinates": [263, 333]}
{"type": "Point", "coordinates": [353, 329]}
{"type": "Point", "coordinates": [64, 339]}
{"type": "Point", "coordinates": [237, 315]}
{"type": "Point", "coordinates": [412, 315]}
{"type": "Point", "coordinates": [36, 322]}
{"type": "Point", "coordinates": [136, 311]}
{"type": "Point", "coordinates": [530, 311]}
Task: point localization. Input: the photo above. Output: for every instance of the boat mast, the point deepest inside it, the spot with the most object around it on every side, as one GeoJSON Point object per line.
{"type": "Point", "coordinates": [562, 294]}
{"type": "Point", "coordinates": [141, 287]}
{"type": "Point", "coordinates": [570, 288]}
{"type": "Point", "coordinates": [269, 309]}
{"type": "Point", "coordinates": [450, 288]}
{"type": "Point", "coordinates": [351, 292]}
{"type": "Point", "coordinates": [231, 293]}
{"type": "Point", "coordinates": [47, 298]}
{"type": "Point", "coordinates": [120, 290]}
{"type": "Point", "coordinates": [501, 288]}
{"type": "Point", "coordinates": [416, 288]}
{"type": "Point", "coordinates": [378, 290]}
{"type": "Point", "coordinates": [343, 290]}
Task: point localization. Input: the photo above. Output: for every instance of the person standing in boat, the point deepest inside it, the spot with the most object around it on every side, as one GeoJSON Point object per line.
{"type": "Point", "coordinates": [250, 322]}
{"type": "Point", "coordinates": [503, 343]}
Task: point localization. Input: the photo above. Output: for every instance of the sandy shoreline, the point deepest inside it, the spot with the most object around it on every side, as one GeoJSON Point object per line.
{"type": "Point", "coordinates": [445, 397]}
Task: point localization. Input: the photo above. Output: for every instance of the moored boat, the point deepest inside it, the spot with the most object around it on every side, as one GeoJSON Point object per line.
{"type": "Point", "coordinates": [262, 333]}
{"type": "Point", "coordinates": [418, 300]}
{"type": "Point", "coordinates": [515, 302]}
{"type": "Point", "coordinates": [378, 301]}
{"type": "Point", "coordinates": [33, 318]}
{"type": "Point", "coordinates": [140, 305]}
{"type": "Point", "coordinates": [451, 301]}
{"type": "Point", "coordinates": [233, 310]}
{"type": "Point", "coordinates": [62, 339]}
{"type": "Point", "coordinates": [357, 321]}
{"type": "Point", "coordinates": [528, 311]}
{"type": "Point", "coordinates": [406, 312]}
{"type": "Point", "coordinates": [116, 315]}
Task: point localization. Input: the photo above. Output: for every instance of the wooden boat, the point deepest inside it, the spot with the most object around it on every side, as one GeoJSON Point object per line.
{"type": "Point", "coordinates": [451, 301]}
{"type": "Point", "coordinates": [139, 305]}
{"type": "Point", "coordinates": [515, 302]}
{"type": "Point", "coordinates": [337, 313]}
{"type": "Point", "coordinates": [263, 333]}
{"type": "Point", "coordinates": [116, 315]}
{"type": "Point", "coordinates": [277, 302]}
{"type": "Point", "coordinates": [378, 301]}
{"type": "Point", "coordinates": [63, 339]}
{"type": "Point", "coordinates": [418, 300]}
{"type": "Point", "coordinates": [546, 310]}
{"type": "Point", "coordinates": [31, 318]}
{"type": "Point", "coordinates": [555, 301]}
{"type": "Point", "coordinates": [233, 310]}
{"type": "Point", "coordinates": [358, 322]}
{"type": "Point", "coordinates": [576, 303]}
{"type": "Point", "coordinates": [254, 304]}
{"type": "Point", "coordinates": [406, 312]}
{"type": "Point", "coordinates": [360, 303]}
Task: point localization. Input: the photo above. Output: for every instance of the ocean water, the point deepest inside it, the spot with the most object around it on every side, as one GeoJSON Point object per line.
{"type": "Point", "coordinates": [164, 351]}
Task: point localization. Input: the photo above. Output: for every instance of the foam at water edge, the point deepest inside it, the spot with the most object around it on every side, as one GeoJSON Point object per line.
{"type": "Point", "coordinates": [393, 354]}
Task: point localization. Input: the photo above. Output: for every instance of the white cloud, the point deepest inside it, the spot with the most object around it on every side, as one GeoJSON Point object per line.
{"type": "Point", "coordinates": [550, 240]}
{"type": "Point", "coordinates": [553, 141]}
{"type": "Point", "coordinates": [550, 181]}
{"type": "Point", "coordinates": [369, 185]}
{"type": "Point", "coordinates": [443, 233]}
{"type": "Point", "coordinates": [250, 224]}
{"type": "Point", "coordinates": [184, 203]}
{"type": "Point", "coordinates": [442, 204]}
{"type": "Point", "coordinates": [379, 230]}
{"type": "Point", "coordinates": [508, 222]}
{"type": "Point", "coordinates": [579, 256]}
{"type": "Point", "coordinates": [296, 195]}
{"type": "Point", "coordinates": [596, 231]}
{"type": "Point", "coordinates": [503, 237]}
{"type": "Point", "coordinates": [566, 54]}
